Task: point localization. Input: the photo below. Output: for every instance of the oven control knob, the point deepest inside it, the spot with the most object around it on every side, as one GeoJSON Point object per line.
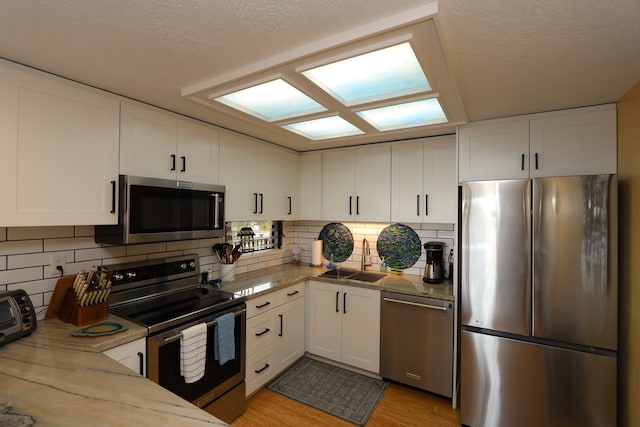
{"type": "Point", "coordinates": [131, 275]}
{"type": "Point", "coordinates": [118, 276]}
{"type": "Point", "coordinates": [192, 264]}
{"type": "Point", "coordinates": [183, 266]}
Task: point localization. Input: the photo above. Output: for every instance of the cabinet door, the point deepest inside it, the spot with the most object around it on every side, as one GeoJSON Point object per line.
{"type": "Point", "coordinates": [261, 368]}
{"type": "Point", "coordinates": [59, 143]}
{"type": "Point", "coordinates": [338, 185]}
{"type": "Point", "coordinates": [238, 174]}
{"type": "Point", "coordinates": [198, 150]}
{"type": "Point", "coordinates": [494, 150]}
{"type": "Point", "coordinates": [361, 328]}
{"type": "Point", "coordinates": [576, 142]}
{"type": "Point", "coordinates": [407, 193]}
{"type": "Point", "coordinates": [291, 186]}
{"type": "Point", "coordinates": [132, 355]}
{"type": "Point", "coordinates": [373, 184]}
{"type": "Point", "coordinates": [270, 182]}
{"type": "Point", "coordinates": [290, 339]}
{"type": "Point", "coordinates": [440, 186]}
{"type": "Point", "coordinates": [148, 142]}
{"type": "Point", "coordinates": [311, 186]}
{"type": "Point", "coordinates": [324, 320]}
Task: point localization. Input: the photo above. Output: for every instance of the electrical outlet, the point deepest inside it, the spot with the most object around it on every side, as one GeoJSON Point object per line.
{"type": "Point", "coordinates": [55, 260]}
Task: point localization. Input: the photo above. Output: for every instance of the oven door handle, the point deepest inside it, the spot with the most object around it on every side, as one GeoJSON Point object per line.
{"type": "Point", "coordinates": [209, 324]}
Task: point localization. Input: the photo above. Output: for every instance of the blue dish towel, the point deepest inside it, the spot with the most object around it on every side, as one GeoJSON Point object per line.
{"type": "Point", "coordinates": [224, 345]}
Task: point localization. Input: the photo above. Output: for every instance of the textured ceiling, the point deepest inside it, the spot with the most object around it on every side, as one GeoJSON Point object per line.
{"type": "Point", "coordinates": [508, 57]}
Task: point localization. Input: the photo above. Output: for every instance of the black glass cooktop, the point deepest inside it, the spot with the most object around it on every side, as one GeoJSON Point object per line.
{"type": "Point", "coordinates": [168, 309]}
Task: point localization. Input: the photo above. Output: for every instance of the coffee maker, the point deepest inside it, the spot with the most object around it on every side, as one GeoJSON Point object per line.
{"type": "Point", "coordinates": [433, 269]}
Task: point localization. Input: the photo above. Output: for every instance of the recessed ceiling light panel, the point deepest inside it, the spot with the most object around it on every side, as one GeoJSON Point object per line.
{"type": "Point", "coordinates": [271, 101]}
{"type": "Point", "coordinates": [411, 114]}
{"type": "Point", "coordinates": [383, 74]}
{"type": "Point", "coordinates": [324, 128]}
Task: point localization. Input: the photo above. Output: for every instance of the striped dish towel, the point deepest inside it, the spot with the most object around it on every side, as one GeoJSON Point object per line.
{"type": "Point", "coordinates": [193, 352]}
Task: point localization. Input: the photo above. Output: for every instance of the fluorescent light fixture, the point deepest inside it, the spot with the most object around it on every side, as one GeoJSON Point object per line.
{"type": "Point", "coordinates": [383, 74]}
{"type": "Point", "coordinates": [271, 101]}
{"type": "Point", "coordinates": [327, 127]}
{"type": "Point", "coordinates": [411, 114]}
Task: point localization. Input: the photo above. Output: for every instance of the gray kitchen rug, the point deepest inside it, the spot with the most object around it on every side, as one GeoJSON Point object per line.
{"type": "Point", "coordinates": [338, 392]}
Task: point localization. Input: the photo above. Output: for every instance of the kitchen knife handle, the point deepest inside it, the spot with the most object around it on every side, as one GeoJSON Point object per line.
{"type": "Point", "coordinates": [141, 358]}
{"type": "Point", "coordinates": [280, 316]}
{"type": "Point", "coordinates": [184, 163]}
{"type": "Point", "coordinates": [522, 162]}
{"type": "Point", "coordinates": [344, 303]}
{"type": "Point", "coordinates": [350, 201]}
{"type": "Point", "coordinates": [113, 197]}
{"type": "Point", "coordinates": [418, 205]}
{"type": "Point", "coordinates": [337, 308]}
{"type": "Point", "coordinates": [536, 161]}
{"type": "Point", "coordinates": [255, 203]}
{"type": "Point", "coordinates": [289, 197]}
{"type": "Point", "coordinates": [173, 162]}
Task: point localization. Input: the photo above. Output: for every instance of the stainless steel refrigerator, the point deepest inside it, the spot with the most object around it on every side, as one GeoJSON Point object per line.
{"type": "Point", "coordinates": [539, 302]}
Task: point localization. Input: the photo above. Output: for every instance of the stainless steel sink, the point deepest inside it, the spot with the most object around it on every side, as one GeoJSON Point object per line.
{"type": "Point", "coordinates": [346, 273]}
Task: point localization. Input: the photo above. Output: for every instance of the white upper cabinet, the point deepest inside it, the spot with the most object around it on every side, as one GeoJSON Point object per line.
{"type": "Point", "coordinates": [423, 181]}
{"type": "Point", "coordinates": [579, 141]}
{"type": "Point", "coordinates": [311, 186]}
{"type": "Point", "coordinates": [356, 184]}
{"type": "Point", "coordinates": [158, 144]}
{"type": "Point", "coordinates": [254, 176]}
{"type": "Point", "coordinates": [496, 149]}
{"type": "Point", "coordinates": [291, 163]}
{"type": "Point", "coordinates": [59, 144]}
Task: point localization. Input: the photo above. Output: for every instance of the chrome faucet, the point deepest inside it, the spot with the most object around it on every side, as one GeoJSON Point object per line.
{"type": "Point", "coordinates": [366, 255]}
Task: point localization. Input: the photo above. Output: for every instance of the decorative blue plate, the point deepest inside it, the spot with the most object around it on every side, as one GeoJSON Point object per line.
{"type": "Point", "coordinates": [337, 240]}
{"type": "Point", "coordinates": [99, 329]}
{"type": "Point", "coordinates": [399, 246]}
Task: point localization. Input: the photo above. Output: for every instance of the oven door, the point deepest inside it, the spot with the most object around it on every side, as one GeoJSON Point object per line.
{"type": "Point", "coordinates": [164, 361]}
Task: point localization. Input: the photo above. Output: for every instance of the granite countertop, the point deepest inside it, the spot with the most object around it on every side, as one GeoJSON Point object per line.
{"type": "Point", "coordinates": [268, 280]}
{"type": "Point", "coordinates": [51, 378]}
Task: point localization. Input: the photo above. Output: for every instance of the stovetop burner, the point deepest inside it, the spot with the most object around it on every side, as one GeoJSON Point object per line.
{"type": "Point", "coordinates": [159, 302]}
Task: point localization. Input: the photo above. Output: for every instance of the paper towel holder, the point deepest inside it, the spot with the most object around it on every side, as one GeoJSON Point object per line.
{"type": "Point", "coordinates": [316, 253]}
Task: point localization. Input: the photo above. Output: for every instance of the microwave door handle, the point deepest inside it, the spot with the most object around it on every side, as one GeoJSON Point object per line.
{"type": "Point", "coordinates": [216, 210]}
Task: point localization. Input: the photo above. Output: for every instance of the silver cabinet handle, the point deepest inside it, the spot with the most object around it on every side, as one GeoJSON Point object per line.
{"type": "Point", "coordinates": [433, 307]}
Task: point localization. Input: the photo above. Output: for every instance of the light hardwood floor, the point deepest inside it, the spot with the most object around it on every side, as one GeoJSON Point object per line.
{"type": "Point", "coordinates": [400, 406]}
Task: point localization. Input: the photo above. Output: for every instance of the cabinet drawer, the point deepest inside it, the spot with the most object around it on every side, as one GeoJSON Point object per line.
{"type": "Point", "coordinates": [261, 304]}
{"type": "Point", "coordinates": [290, 293]}
{"type": "Point", "coordinates": [261, 332]}
{"type": "Point", "coordinates": [260, 369]}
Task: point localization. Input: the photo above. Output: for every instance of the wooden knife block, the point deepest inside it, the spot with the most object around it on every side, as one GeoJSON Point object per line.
{"type": "Point", "coordinates": [67, 308]}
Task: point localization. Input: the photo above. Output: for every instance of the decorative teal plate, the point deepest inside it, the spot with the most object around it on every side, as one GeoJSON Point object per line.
{"type": "Point", "coordinates": [99, 329]}
{"type": "Point", "coordinates": [337, 240]}
{"type": "Point", "coordinates": [399, 246]}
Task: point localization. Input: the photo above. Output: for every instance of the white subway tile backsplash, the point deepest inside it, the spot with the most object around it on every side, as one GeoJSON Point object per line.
{"type": "Point", "coordinates": [84, 231]}
{"type": "Point", "coordinates": [71, 243]}
{"type": "Point", "coordinates": [3, 262]}
{"type": "Point", "coordinates": [21, 275]}
{"type": "Point", "coordinates": [20, 247]}
{"type": "Point", "coordinates": [182, 245]}
{"type": "Point", "coordinates": [26, 233]}
{"type": "Point", "coordinates": [100, 253]}
{"type": "Point", "coordinates": [3, 234]}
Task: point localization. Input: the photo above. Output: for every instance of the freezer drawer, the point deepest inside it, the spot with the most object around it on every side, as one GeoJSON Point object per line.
{"type": "Point", "coordinates": [508, 383]}
{"type": "Point", "coordinates": [416, 342]}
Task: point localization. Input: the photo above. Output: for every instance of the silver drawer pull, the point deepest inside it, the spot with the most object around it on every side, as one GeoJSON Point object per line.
{"type": "Point", "coordinates": [433, 307]}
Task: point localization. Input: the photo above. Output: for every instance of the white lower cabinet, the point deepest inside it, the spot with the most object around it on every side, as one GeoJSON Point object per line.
{"type": "Point", "coordinates": [133, 355]}
{"type": "Point", "coordinates": [275, 334]}
{"type": "Point", "coordinates": [344, 324]}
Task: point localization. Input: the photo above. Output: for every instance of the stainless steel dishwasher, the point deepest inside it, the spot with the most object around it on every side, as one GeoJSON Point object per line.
{"type": "Point", "coordinates": [416, 342]}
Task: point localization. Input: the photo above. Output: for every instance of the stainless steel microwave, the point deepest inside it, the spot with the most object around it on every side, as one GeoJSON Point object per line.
{"type": "Point", "coordinates": [156, 210]}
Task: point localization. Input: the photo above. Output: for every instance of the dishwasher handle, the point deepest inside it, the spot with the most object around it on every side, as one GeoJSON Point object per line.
{"type": "Point", "coordinates": [432, 307]}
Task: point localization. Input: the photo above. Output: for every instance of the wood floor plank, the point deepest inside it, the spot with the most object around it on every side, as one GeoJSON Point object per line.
{"type": "Point", "coordinates": [400, 406]}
